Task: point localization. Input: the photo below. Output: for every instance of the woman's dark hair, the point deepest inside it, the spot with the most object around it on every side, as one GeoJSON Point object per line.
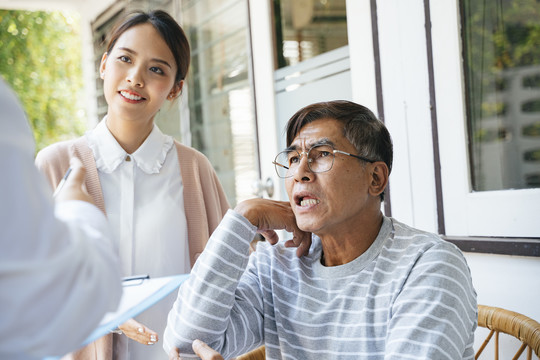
{"type": "Point", "coordinates": [169, 30]}
{"type": "Point", "coordinates": [361, 127]}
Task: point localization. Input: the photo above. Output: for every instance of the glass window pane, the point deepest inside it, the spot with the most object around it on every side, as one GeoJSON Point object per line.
{"type": "Point", "coordinates": [501, 42]}
{"type": "Point", "coordinates": [307, 28]}
{"type": "Point", "coordinates": [221, 102]}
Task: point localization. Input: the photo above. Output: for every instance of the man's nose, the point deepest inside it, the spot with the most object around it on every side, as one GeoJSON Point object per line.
{"type": "Point", "coordinates": [302, 171]}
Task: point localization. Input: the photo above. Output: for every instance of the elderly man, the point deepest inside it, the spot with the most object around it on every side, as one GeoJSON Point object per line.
{"type": "Point", "coordinates": [369, 287]}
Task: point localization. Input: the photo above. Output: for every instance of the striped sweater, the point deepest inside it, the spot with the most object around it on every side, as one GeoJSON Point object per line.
{"type": "Point", "coordinates": [409, 296]}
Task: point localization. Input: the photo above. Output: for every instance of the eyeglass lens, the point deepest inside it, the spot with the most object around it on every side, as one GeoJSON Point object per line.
{"type": "Point", "coordinates": [320, 159]}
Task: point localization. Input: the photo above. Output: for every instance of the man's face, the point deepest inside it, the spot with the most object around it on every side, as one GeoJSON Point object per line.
{"type": "Point", "coordinates": [332, 201]}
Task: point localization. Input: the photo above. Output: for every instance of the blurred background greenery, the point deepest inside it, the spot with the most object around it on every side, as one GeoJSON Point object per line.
{"type": "Point", "coordinates": [40, 57]}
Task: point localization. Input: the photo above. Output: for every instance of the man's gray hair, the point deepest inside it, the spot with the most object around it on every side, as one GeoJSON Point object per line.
{"type": "Point", "coordinates": [361, 127]}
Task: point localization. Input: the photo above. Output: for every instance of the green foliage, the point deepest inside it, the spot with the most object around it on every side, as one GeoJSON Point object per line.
{"type": "Point", "coordinates": [498, 36]}
{"type": "Point", "coordinates": [40, 57]}
{"type": "Point", "coordinates": [502, 34]}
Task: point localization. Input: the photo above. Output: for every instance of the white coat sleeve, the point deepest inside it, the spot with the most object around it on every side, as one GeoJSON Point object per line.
{"type": "Point", "coordinates": [59, 273]}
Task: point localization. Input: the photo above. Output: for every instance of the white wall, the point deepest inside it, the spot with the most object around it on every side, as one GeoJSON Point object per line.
{"type": "Point", "coordinates": [509, 282]}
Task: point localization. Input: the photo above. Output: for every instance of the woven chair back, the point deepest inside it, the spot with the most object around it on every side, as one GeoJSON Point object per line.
{"type": "Point", "coordinates": [508, 322]}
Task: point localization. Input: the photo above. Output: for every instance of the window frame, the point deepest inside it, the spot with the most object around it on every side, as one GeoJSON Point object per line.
{"type": "Point", "coordinates": [487, 221]}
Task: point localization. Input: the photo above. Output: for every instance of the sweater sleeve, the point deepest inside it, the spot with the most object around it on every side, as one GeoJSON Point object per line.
{"type": "Point", "coordinates": [220, 303]}
{"type": "Point", "coordinates": [434, 315]}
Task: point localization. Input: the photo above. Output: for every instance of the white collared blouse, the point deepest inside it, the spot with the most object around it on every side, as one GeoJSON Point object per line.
{"type": "Point", "coordinates": [144, 202]}
{"type": "Point", "coordinates": [143, 194]}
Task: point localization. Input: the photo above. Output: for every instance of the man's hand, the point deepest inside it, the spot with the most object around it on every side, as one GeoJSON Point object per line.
{"type": "Point", "coordinates": [269, 215]}
{"type": "Point", "coordinates": [204, 351]}
{"type": "Point", "coordinates": [200, 348]}
{"type": "Point", "coordinates": [74, 188]}
{"type": "Point", "coordinates": [138, 332]}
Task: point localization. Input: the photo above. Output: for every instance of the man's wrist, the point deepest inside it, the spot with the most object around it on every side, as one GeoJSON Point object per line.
{"type": "Point", "coordinates": [245, 210]}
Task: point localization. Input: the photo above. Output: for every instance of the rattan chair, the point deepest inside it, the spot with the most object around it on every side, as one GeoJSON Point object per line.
{"type": "Point", "coordinates": [257, 354]}
{"type": "Point", "coordinates": [520, 326]}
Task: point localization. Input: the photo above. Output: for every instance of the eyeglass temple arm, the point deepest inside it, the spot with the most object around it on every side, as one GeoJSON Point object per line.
{"type": "Point", "coordinates": [356, 156]}
{"type": "Point", "coordinates": [278, 164]}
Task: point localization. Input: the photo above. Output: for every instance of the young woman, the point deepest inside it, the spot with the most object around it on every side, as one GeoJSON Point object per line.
{"type": "Point", "coordinates": [163, 199]}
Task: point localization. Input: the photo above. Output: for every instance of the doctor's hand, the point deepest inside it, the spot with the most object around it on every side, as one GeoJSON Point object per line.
{"type": "Point", "coordinates": [138, 332]}
{"type": "Point", "coordinates": [202, 350]}
{"type": "Point", "coordinates": [74, 188]}
{"type": "Point", "coordinates": [269, 215]}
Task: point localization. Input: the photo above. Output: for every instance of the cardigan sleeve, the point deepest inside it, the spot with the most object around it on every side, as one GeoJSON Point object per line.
{"type": "Point", "coordinates": [205, 201]}
{"type": "Point", "coordinates": [53, 162]}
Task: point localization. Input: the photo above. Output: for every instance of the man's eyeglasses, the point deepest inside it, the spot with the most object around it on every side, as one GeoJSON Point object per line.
{"type": "Point", "coordinates": [320, 159]}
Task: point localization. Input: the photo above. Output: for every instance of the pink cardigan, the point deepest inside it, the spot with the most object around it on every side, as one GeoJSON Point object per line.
{"type": "Point", "coordinates": [205, 203]}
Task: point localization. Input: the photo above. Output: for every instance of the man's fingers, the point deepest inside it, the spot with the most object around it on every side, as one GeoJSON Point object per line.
{"type": "Point", "coordinates": [174, 354]}
{"type": "Point", "coordinates": [204, 351]}
{"type": "Point", "coordinates": [303, 248]}
{"type": "Point", "coordinates": [270, 235]}
{"type": "Point", "coordinates": [302, 241]}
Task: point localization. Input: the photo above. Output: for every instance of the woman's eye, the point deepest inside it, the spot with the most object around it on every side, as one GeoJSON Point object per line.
{"type": "Point", "coordinates": [156, 70]}
{"type": "Point", "coordinates": [124, 58]}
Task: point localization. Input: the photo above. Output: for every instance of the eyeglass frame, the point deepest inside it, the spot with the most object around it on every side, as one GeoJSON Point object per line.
{"type": "Point", "coordinates": [334, 151]}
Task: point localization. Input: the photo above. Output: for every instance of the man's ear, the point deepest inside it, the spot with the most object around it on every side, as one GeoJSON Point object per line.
{"type": "Point", "coordinates": [379, 178]}
{"type": "Point", "coordinates": [176, 90]}
{"type": "Point", "coordinates": [102, 66]}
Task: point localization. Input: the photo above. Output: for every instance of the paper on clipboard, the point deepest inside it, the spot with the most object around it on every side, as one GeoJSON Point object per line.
{"type": "Point", "coordinates": [135, 299]}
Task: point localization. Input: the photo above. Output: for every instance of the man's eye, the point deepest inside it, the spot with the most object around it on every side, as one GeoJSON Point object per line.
{"type": "Point", "coordinates": [318, 154]}
{"type": "Point", "coordinates": [293, 159]}
{"type": "Point", "coordinates": [324, 153]}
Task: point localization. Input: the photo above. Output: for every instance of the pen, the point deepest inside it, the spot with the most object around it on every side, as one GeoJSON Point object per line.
{"type": "Point", "coordinates": [136, 277]}
{"type": "Point", "coordinates": [62, 182]}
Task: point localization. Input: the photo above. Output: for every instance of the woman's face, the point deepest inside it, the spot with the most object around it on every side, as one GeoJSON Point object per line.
{"type": "Point", "coordinates": [138, 75]}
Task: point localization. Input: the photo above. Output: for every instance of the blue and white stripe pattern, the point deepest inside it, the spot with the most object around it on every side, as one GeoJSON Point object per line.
{"type": "Point", "coordinates": [409, 296]}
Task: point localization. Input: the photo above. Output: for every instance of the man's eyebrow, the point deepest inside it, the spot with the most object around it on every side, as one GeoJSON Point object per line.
{"type": "Point", "coordinates": [322, 141]}
{"type": "Point", "coordinates": [131, 51]}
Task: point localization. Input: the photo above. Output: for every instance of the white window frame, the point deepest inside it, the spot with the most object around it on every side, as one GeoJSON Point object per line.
{"type": "Point", "coordinates": [508, 213]}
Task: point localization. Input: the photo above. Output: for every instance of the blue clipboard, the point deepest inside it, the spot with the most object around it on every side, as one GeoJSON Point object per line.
{"type": "Point", "coordinates": [145, 294]}
{"type": "Point", "coordinates": [124, 315]}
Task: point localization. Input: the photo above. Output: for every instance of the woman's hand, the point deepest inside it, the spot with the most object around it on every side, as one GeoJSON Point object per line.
{"type": "Point", "coordinates": [138, 332]}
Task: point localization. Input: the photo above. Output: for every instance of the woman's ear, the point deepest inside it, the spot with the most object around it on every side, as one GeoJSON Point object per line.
{"type": "Point", "coordinates": [176, 90]}
{"type": "Point", "coordinates": [379, 178]}
{"type": "Point", "coordinates": [102, 66]}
